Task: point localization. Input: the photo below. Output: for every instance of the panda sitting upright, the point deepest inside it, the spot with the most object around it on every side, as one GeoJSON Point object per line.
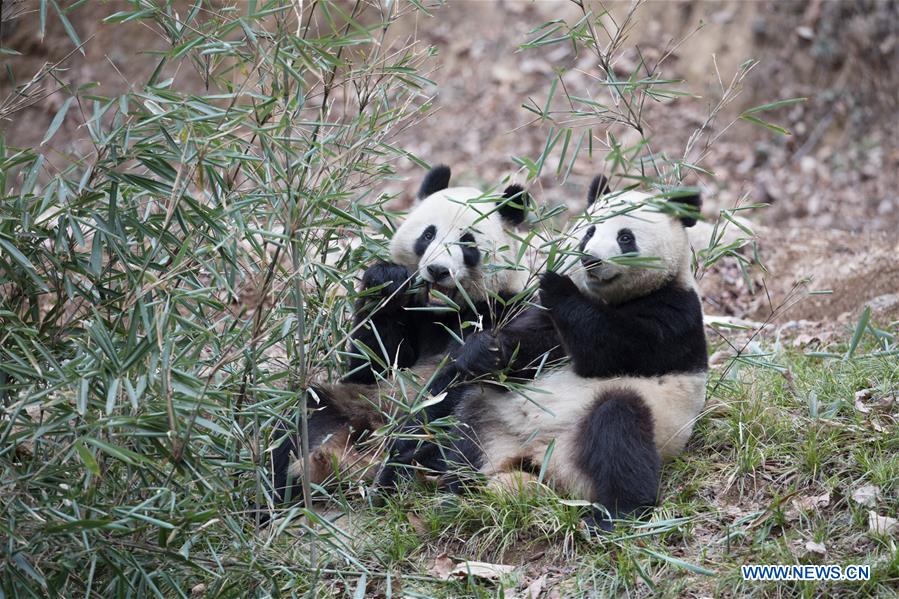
{"type": "Point", "coordinates": [455, 240]}
{"type": "Point", "coordinates": [635, 382]}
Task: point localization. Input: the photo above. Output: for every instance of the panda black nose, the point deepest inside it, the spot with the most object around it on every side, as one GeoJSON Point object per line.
{"type": "Point", "coordinates": [437, 273]}
{"type": "Point", "coordinates": [591, 262]}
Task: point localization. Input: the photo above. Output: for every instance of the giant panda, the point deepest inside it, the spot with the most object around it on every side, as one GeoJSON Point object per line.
{"type": "Point", "coordinates": [634, 384]}
{"type": "Point", "coordinates": [456, 240]}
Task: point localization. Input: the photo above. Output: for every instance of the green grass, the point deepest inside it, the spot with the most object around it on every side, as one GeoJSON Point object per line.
{"type": "Point", "coordinates": [763, 474]}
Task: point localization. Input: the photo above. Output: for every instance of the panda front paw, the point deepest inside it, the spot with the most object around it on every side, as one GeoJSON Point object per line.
{"type": "Point", "coordinates": [554, 288]}
{"type": "Point", "coordinates": [481, 354]}
{"type": "Point", "coordinates": [391, 279]}
{"type": "Point", "coordinates": [403, 454]}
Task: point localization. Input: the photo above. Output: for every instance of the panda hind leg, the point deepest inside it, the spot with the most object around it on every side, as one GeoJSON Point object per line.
{"type": "Point", "coordinates": [323, 426]}
{"type": "Point", "coordinates": [334, 423]}
{"type": "Point", "coordinates": [618, 454]}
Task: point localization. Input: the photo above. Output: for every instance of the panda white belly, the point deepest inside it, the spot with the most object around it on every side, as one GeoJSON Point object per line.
{"type": "Point", "coordinates": [520, 426]}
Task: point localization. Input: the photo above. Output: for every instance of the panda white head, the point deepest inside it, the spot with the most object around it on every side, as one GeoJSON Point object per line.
{"type": "Point", "coordinates": [460, 236]}
{"type": "Point", "coordinates": [632, 243]}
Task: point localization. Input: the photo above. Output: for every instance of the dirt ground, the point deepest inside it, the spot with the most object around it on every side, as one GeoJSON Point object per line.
{"type": "Point", "coordinates": [831, 186]}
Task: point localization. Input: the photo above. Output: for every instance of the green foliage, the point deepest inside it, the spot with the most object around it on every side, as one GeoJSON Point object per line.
{"type": "Point", "coordinates": [169, 293]}
{"type": "Point", "coordinates": [166, 294]}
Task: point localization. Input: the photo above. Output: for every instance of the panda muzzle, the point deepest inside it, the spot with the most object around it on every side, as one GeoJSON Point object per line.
{"type": "Point", "coordinates": [437, 273]}
{"type": "Point", "coordinates": [591, 263]}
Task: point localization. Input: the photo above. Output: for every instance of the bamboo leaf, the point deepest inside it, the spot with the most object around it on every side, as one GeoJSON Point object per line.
{"type": "Point", "coordinates": [88, 459]}
{"type": "Point", "coordinates": [118, 452]}
{"type": "Point", "coordinates": [42, 18]}
{"type": "Point", "coordinates": [70, 31]}
{"type": "Point", "coordinates": [23, 262]}
{"type": "Point", "coordinates": [57, 120]}
{"type": "Point", "coordinates": [678, 562]}
{"type": "Point", "coordinates": [775, 105]}
{"type": "Point", "coordinates": [859, 332]}
{"type": "Point", "coordinates": [770, 126]}
{"type": "Point", "coordinates": [31, 177]}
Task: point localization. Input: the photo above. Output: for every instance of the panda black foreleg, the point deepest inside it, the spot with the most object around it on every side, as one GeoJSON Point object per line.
{"type": "Point", "coordinates": [382, 326]}
{"type": "Point", "coordinates": [456, 462]}
{"type": "Point", "coordinates": [518, 347]}
{"type": "Point", "coordinates": [414, 448]}
{"type": "Point", "coordinates": [387, 338]}
{"type": "Point", "coordinates": [617, 453]}
{"type": "Point", "coordinates": [478, 356]}
{"type": "Point", "coordinates": [452, 454]}
{"type": "Point", "coordinates": [460, 461]}
{"type": "Point", "coordinates": [404, 453]}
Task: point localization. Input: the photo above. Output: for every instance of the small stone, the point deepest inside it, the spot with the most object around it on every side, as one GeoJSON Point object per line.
{"type": "Point", "coordinates": [806, 33]}
{"type": "Point", "coordinates": [808, 164]}
{"type": "Point", "coordinates": [882, 525]}
{"type": "Point", "coordinates": [814, 547]}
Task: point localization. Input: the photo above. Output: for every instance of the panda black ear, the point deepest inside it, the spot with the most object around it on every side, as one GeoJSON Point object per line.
{"type": "Point", "coordinates": [692, 204]}
{"type": "Point", "coordinates": [514, 204]}
{"type": "Point", "coordinates": [438, 178]}
{"type": "Point", "coordinates": [599, 186]}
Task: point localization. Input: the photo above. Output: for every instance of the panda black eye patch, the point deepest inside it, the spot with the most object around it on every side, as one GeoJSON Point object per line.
{"type": "Point", "coordinates": [627, 242]}
{"type": "Point", "coordinates": [587, 236]}
{"type": "Point", "coordinates": [425, 239]}
{"type": "Point", "coordinates": [471, 255]}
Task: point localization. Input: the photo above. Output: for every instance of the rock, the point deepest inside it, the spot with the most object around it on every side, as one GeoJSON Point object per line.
{"type": "Point", "coordinates": [806, 33]}
{"type": "Point", "coordinates": [814, 547]}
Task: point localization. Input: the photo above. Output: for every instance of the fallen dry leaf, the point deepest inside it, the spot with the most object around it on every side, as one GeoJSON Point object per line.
{"type": "Point", "coordinates": [878, 427]}
{"type": "Point", "coordinates": [864, 404]}
{"type": "Point", "coordinates": [417, 524]}
{"type": "Point", "coordinates": [535, 588]}
{"type": "Point", "coordinates": [805, 339]}
{"type": "Point", "coordinates": [483, 570]}
{"type": "Point", "coordinates": [812, 501]}
{"type": "Point", "coordinates": [813, 547]}
{"type": "Point", "coordinates": [805, 504]}
{"type": "Point", "coordinates": [442, 567]}
{"type": "Point", "coordinates": [866, 495]}
{"type": "Point", "coordinates": [860, 397]}
{"type": "Point", "coordinates": [882, 525]}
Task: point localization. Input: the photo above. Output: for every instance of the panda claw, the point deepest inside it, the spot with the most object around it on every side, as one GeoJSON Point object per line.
{"type": "Point", "coordinates": [393, 280]}
{"type": "Point", "coordinates": [598, 524]}
{"type": "Point", "coordinates": [386, 482]}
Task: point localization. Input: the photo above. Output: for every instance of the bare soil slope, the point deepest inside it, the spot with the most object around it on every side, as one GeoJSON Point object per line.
{"type": "Point", "coordinates": [831, 185]}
